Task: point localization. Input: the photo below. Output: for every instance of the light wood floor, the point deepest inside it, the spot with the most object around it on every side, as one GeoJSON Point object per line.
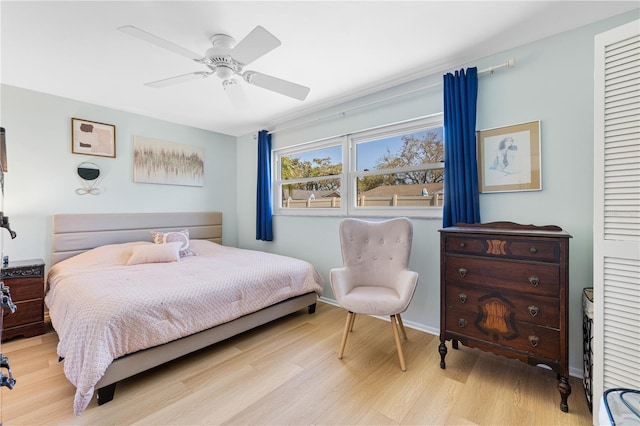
{"type": "Point", "coordinates": [288, 372]}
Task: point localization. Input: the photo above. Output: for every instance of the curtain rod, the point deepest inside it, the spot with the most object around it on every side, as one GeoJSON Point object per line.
{"type": "Point", "coordinates": [509, 64]}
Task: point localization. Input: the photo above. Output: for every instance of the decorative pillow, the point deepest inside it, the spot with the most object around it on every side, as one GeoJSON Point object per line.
{"type": "Point", "coordinates": [174, 236]}
{"type": "Point", "coordinates": [155, 253]}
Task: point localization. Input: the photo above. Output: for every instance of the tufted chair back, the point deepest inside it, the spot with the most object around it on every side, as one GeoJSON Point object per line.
{"type": "Point", "coordinates": [376, 252]}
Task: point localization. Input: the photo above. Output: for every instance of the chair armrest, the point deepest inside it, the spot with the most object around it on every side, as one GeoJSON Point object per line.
{"type": "Point", "coordinates": [340, 282]}
{"type": "Point", "coordinates": [406, 285]}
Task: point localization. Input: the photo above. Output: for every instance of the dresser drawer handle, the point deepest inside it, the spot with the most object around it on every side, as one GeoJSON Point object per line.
{"type": "Point", "coordinates": [462, 272]}
{"type": "Point", "coordinates": [534, 340]}
{"type": "Point", "coordinates": [533, 310]}
{"type": "Point", "coordinates": [462, 323]}
{"type": "Point", "coordinates": [534, 281]}
{"type": "Point", "coordinates": [462, 245]}
{"type": "Point", "coordinates": [462, 297]}
{"type": "Point", "coordinates": [533, 250]}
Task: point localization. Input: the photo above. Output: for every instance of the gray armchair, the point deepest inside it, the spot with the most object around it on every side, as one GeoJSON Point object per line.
{"type": "Point", "coordinates": [375, 279]}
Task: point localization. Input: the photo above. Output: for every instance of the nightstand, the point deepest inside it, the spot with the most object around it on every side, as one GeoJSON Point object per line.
{"type": "Point", "coordinates": [25, 279]}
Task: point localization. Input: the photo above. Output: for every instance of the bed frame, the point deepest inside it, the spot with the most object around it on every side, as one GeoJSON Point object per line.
{"type": "Point", "coordinates": [76, 233]}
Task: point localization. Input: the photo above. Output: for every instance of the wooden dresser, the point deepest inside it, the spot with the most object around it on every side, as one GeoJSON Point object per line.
{"type": "Point", "coordinates": [504, 289]}
{"type": "Point", "coordinates": [25, 279]}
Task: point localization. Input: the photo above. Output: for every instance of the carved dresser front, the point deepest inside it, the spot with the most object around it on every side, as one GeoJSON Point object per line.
{"type": "Point", "coordinates": [504, 289]}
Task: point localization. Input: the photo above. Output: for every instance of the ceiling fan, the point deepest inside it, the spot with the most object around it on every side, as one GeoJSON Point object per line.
{"type": "Point", "coordinates": [227, 59]}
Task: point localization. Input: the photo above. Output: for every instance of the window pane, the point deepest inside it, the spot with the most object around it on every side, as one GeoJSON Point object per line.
{"type": "Point", "coordinates": [425, 147]}
{"type": "Point", "coordinates": [422, 188]}
{"type": "Point", "coordinates": [323, 193]}
{"type": "Point", "coordinates": [322, 162]}
{"type": "Point", "coordinates": [412, 188]}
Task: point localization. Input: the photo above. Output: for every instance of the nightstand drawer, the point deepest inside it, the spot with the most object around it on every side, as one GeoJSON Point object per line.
{"type": "Point", "coordinates": [26, 313]}
{"type": "Point", "coordinates": [23, 269]}
{"type": "Point", "coordinates": [22, 289]}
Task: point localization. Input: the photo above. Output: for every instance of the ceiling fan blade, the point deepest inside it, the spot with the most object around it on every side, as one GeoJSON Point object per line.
{"type": "Point", "coordinates": [256, 44]}
{"type": "Point", "coordinates": [160, 42]}
{"type": "Point", "coordinates": [178, 79]}
{"type": "Point", "coordinates": [235, 93]}
{"type": "Point", "coordinates": [278, 85]}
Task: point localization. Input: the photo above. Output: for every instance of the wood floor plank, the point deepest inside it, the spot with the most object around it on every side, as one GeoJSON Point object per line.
{"type": "Point", "coordinates": [374, 417]}
{"type": "Point", "coordinates": [400, 396]}
{"type": "Point", "coordinates": [439, 398]}
{"type": "Point", "coordinates": [296, 396]}
{"type": "Point", "coordinates": [288, 372]}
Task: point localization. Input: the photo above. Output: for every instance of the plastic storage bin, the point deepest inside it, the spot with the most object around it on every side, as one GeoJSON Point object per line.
{"type": "Point", "coordinates": [620, 407]}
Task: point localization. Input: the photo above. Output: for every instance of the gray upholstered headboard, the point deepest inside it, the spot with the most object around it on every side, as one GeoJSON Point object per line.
{"type": "Point", "coordinates": [76, 233]}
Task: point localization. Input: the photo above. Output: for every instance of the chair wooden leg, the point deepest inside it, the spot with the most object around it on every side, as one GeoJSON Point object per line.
{"type": "Point", "coordinates": [396, 336]}
{"type": "Point", "coordinates": [353, 320]}
{"type": "Point", "coordinates": [347, 327]}
{"type": "Point", "coordinates": [402, 330]}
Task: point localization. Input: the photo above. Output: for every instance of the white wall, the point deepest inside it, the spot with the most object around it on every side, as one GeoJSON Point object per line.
{"type": "Point", "coordinates": [41, 180]}
{"type": "Point", "coordinates": [552, 82]}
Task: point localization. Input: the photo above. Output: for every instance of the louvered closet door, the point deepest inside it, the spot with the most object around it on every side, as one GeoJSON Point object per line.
{"type": "Point", "coordinates": [616, 239]}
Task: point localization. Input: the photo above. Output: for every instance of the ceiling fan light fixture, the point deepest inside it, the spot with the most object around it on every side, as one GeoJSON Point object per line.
{"type": "Point", "coordinates": [224, 72]}
{"type": "Point", "coordinates": [227, 84]}
{"type": "Point", "coordinates": [235, 93]}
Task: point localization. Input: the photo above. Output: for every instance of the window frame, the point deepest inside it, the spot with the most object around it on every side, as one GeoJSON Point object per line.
{"type": "Point", "coordinates": [277, 182]}
{"type": "Point", "coordinates": [350, 174]}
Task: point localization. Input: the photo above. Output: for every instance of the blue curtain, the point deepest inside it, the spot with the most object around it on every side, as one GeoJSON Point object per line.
{"type": "Point", "coordinates": [264, 228]}
{"type": "Point", "coordinates": [461, 195]}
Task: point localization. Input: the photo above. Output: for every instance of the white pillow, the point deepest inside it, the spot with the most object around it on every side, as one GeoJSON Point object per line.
{"type": "Point", "coordinates": [174, 236]}
{"type": "Point", "coordinates": [155, 253]}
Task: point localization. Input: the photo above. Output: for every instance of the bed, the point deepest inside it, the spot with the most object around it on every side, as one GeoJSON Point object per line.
{"type": "Point", "coordinates": [106, 276]}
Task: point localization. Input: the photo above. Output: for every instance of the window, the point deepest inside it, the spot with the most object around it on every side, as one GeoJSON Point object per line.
{"type": "Point", "coordinates": [392, 170]}
{"type": "Point", "coordinates": [310, 177]}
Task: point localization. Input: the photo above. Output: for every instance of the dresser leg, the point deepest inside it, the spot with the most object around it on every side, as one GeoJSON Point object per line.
{"type": "Point", "coordinates": [565, 390]}
{"type": "Point", "coordinates": [454, 344]}
{"type": "Point", "coordinates": [443, 352]}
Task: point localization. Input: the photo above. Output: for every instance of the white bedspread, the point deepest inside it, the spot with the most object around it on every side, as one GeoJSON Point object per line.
{"type": "Point", "coordinates": [103, 309]}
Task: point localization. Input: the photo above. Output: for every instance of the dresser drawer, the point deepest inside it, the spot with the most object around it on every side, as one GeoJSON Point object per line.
{"type": "Point", "coordinates": [524, 277]}
{"type": "Point", "coordinates": [25, 288]}
{"type": "Point", "coordinates": [26, 313]}
{"type": "Point", "coordinates": [520, 336]}
{"type": "Point", "coordinates": [495, 246]}
{"type": "Point", "coordinates": [523, 307]}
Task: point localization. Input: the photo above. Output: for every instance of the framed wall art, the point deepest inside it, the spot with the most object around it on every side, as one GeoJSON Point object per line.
{"type": "Point", "coordinates": [157, 161]}
{"type": "Point", "coordinates": [509, 158]}
{"type": "Point", "coordinates": [93, 138]}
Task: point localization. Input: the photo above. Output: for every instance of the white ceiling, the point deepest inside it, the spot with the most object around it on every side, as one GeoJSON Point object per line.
{"type": "Point", "coordinates": [339, 49]}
